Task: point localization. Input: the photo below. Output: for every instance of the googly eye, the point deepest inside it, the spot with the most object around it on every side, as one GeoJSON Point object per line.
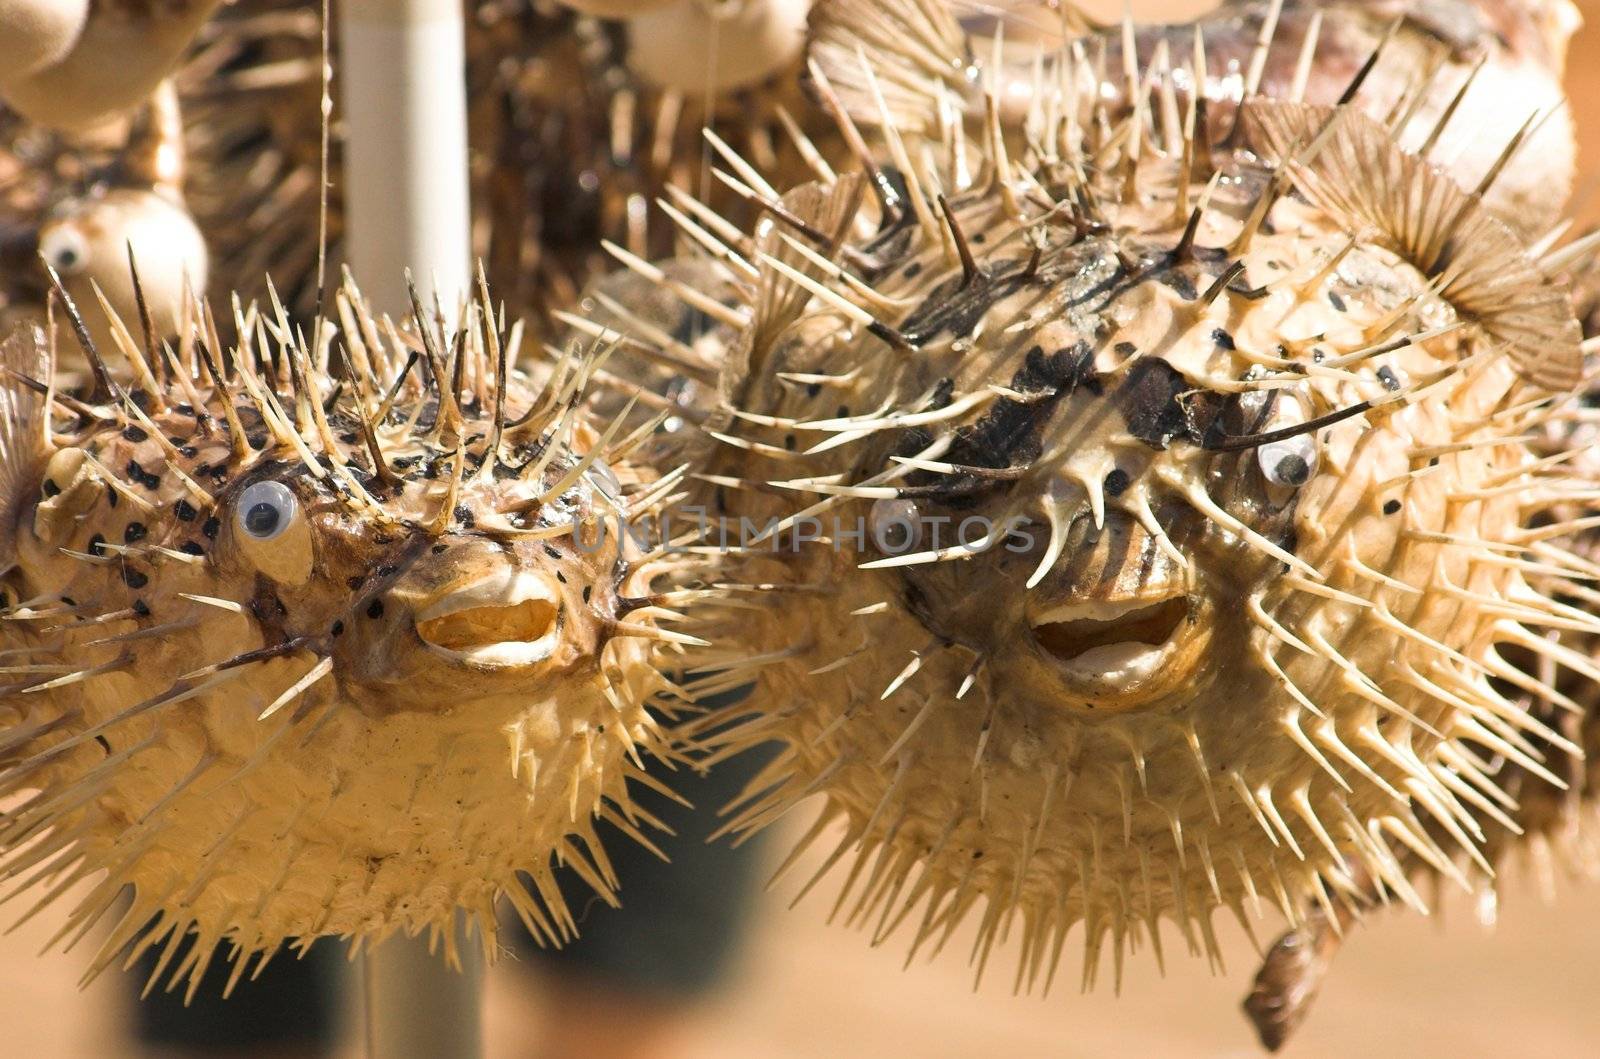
{"type": "Point", "coordinates": [896, 526]}
{"type": "Point", "coordinates": [1290, 462]}
{"type": "Point", "coordinates": [266, 510]}
{"type": "Point", "coordinates": [273, 533]}
{"type": "Point", "coordinates": [66, 249]}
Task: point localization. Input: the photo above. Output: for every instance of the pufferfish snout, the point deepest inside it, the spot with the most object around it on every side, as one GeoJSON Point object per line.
{"type": "Point", "coordinates": [1118, 625]}
{"type": "Point", "coordinates": [473, 615]}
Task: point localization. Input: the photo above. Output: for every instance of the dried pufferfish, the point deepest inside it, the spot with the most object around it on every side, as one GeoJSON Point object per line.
{"type": "Point", "coordinates": [1500, 61]}
{"type": "Point", "coordinates": [1226, 453]}
{"type": "Point", "coordinates": [93, 214]}
{"type": "Point", "coordinates": [298, 650]}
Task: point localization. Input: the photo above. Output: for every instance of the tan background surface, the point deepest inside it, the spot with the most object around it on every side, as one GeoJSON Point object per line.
{"type": "Point", "coordinates": [1402, 986]}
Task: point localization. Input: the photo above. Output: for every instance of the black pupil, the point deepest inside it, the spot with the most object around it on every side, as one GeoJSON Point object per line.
{"type": "Point", "coordinates": [262, 519]}
{"type": "Point", "coordinates": [67, 258]}
{"type": "Point", "coordinates": [1292, 470]}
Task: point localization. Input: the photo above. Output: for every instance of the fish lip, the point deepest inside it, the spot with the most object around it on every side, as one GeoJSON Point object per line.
{"type": "Point", "coordinates": [1104, 610]}
{"type": "Point", "coordinates": [502, 589]}
{"type": "Point", "coordinates": [1106, 672]}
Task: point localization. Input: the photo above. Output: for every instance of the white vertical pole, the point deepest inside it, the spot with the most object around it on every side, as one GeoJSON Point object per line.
{"type": "Point", "coordinates": [402, 68]}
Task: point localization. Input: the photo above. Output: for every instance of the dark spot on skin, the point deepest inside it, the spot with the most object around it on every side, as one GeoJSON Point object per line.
{"type": "Point", "coordinates": [188, 452]}
{"type": "Point", "coordinates": [105, 744]}
{"type": "Point", "coordinates": [184, 511]}
{"type": "Point", "coordinates": [1223, 339]}
{"type": "Point", "coordinates": [1182, 284]}
{"type": "Point", "coordinates": [141, 608]}
{"type": "Point", "coordinates": [375, 609]}
{"type": "Point", "coordinates": [788, 442]}
{"type": "Point", "coordinates": [561, 577]}
{"type": "Point", "coordinates": [355, 582]}
{"type": "Point", "coordinates": [1149, 403]}
{"type": "Point", "coordinates": [96, 545]}
{"type": "Point", "coordinates": [1336, 301]}
{"type": "Point", "coordinates": [191, 548]}
{"type": "Point", "coordinates": [463, 514]}
{"type": "Point", "coordinates": [134, 432]}
{"type": "Point", "coordinates": [913, 270]}
{"type": "Point", "coordinates": [588, 590]}
{"type": "Point", "coordinates": [50, 488]}
{"type": "Point", "coordinates": [1125, 349]}
{"type": "Point", "coordinates": [551, 552]}
{"type": "Point", "coordinates": [956, 306]}
{"type": "Point", "coordinates": [813, 388]}
{"type": "Point", "coordinates": [1116, 481]}
{"type": "Point", "coordinates": [212, 527]}
{"type": "Point", "coordinates": [135, 531]}
{"type": "Point", "coordinates": [150, 481]}
{"type": "Point", "coordinates": [843, 412]}
{"type": "Point", "coordinates": [439, 549]}
{"type": "Point", "coordinates": [1391, 506]}
{"type": "Point", "coordinates": [113, 498]}
{"type": "Point", "coordinates": [1434, 462]}
{"type": "Point", "coordinates": [337, 629]}
{"type": "Point", "coordinates": [1008, 434]}
{"type": "Point", "coordinates": [133, 578]}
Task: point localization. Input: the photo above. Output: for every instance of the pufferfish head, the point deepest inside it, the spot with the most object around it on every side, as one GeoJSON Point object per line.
{"type": "Point", "coordinates": [308, 654]}
{"type": "Point", "coordinates": [414, 618]}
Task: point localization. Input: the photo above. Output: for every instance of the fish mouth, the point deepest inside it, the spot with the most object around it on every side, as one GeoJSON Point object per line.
{"type": "Point", "coordinates": [506, 620]}
{"type": "Point", "coordinates": [1110, 647]}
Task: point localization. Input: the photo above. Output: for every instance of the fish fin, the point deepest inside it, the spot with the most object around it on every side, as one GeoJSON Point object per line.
{"type": "Point", "coordinates": [912, 46]}
{"type": "Point", "coordinates": [779, 300]}
{"type": "Point", "coordinates": [24, 424]}
{"type": "Point", "coordinates": [1419, 211]}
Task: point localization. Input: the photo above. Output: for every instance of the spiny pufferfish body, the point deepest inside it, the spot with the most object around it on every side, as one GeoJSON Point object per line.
{"type": "Point", "coordinates": [283, 691]}
{"type": "Point", "coordinates": [1153, 524]}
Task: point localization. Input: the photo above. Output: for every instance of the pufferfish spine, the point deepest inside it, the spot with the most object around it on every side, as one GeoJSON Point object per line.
{"type": "Point", "coordinates": [1241, 434]}
{"type": "Point", "coordinates": [321, 638]}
